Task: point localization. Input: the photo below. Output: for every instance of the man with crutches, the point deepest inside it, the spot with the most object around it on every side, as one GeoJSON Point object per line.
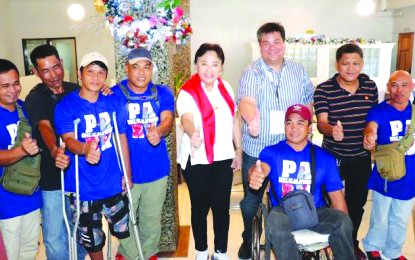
{"type": "Point", "coordinates": [100, 176]}
{"type": "Point", "coordinates": [40, 105]}
{"type": "Point", "coordinates": [150, 118]}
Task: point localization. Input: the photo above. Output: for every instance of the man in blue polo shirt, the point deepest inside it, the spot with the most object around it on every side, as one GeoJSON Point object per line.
{"type": "Point", "coordinates": [150, 119]}
{"type": "Point", "coordinates": [392, 200]}
{"type": "Point", "coordinates": [19, 214]}
{"type": "Point", "coordinates": [100, 176]}
{"type": "Point", "coordinates": [288, 167]}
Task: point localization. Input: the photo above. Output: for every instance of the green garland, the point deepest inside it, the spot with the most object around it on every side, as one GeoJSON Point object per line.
{"type": "Point", "coordinates": [330, 41]}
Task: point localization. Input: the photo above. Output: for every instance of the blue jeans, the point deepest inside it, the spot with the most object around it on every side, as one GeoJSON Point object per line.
{"type": "Point", "coordinates": [331, 221]}
{"type": "Point", "coordinates": [54, 231]}
{"type": "Point", "coordinates": [252, 198]}
{"type": "Point", "coordinates": [53, 226]}
{"type": "Point", "coordinates": [388, 222]}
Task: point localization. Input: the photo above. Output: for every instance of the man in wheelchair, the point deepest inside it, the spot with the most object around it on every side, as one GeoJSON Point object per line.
{"type": "Point", "coordinates": [288, 167]}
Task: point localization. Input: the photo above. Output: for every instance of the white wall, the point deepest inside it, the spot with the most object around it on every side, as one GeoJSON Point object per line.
{"type": "Point", "coordinates": [5, 32]}
{"type": "Point", "coordinates": [403, 24]}
{"type": "Point", "coordinates": [49, 19]}
{"type": "Point", "coordinates": [233, 24]}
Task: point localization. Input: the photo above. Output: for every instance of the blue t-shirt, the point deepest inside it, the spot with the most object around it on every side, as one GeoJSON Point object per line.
{"type": "Point", "coordinates": [11, 204]}
{"type": "Point", "coordinates": [291, 170]}
{"type": "Point", "coordinates": [392, 125]}
{"type": "Point", "coordinates": [102, 180]}
{"type": "Point", "coordinates": [148, 163]}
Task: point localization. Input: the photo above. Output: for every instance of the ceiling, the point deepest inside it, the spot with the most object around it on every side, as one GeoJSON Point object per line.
{"type": "Point", "coordinates": [394, 4]}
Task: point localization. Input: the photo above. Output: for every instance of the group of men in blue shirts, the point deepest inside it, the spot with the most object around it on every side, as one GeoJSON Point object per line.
{"type": "Point", "coordinates": [143, 115]}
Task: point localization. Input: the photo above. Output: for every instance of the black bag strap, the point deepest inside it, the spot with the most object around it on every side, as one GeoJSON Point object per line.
{"type": "Point", "coordinates": [313, 173]}
{"type": "Point", "coordinates": [313, 167]}
{"type": "Point", "coordinates": [154, 94]}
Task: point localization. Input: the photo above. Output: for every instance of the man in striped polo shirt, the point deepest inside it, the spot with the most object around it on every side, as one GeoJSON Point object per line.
{"type": "Point", "coordinates": [341, 105]}
{"type": "Point", "coordinates": [268, 86]}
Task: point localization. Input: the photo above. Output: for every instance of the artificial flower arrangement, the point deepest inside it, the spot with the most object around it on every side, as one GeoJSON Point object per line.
{"type": "Point", "coordinates": [168, 24]}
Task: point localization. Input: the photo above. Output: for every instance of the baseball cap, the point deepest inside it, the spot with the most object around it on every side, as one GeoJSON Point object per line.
{"type": "Point", "coordinates": [302, 110]}
{"type": "Point", "coordinates": [139, 54]}
{"type": "Point", "coordinates": [91, 57]}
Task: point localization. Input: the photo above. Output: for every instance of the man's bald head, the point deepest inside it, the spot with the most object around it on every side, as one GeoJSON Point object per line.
{"type": "Point", "coordinates": [400, 74]}
{"type": "Point", "coordinates": [400, 87]}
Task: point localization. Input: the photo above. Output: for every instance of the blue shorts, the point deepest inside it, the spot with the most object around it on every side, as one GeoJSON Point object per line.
{"type": "Point", "coordinates": [90, 233]}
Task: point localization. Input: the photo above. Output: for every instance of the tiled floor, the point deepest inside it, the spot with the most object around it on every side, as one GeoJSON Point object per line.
{"type": "Point", "coordinates": [237, 224]}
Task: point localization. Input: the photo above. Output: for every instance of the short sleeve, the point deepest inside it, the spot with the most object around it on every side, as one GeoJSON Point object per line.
{"type": "Point", "coordinates": [267, 156]}
{"type": "Point", "coordinates": [320, 101]}
{"type": "Point", "coordinates": [122, 115]}
{"type": "Point", "coordinates": [166, 99]}
{"type": "Point", "coordinates": [35, 109]}
{"type": "Point", "coordinates": [308, 89]}
{"type": "Point", "coordinates": [185, 103]}
{"type": "Point", "coordinates": [373, 116]}
{"type": "Point", "coordinates": [248, 85]}
{"type": "Point", "coordinates": [332, 181]}
{"type": "Point", "coordinates": [64, 118]}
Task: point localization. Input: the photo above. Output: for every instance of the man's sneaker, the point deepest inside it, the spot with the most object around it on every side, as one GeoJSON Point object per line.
{"type": "Point", "coordinates": [245, 251]}
{"type": "Point", "coordinates": [202, 255]}
{"type": "Point", "coordinates": [373, 255]}
{"type": "Point", "coordinates": [400, 258]}
{"type": "Point", "coordinates": [220, 256]}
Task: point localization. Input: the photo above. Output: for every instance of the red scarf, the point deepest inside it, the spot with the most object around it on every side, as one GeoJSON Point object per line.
{"type": "Point", "coordinates": [194, 87]}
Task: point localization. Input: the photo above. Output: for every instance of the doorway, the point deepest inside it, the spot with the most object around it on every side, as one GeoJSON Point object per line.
{"type": "Point", "coordinates": [405, 48]}
{"type": "Point", "coordinates": [67, 52]}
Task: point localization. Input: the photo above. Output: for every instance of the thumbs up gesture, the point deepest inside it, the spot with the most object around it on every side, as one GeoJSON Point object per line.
{"type": "Point", "coordinates": [93, 154]}
{"type": "Point", "coordinates": [195, 141]}
{"type": "Point", "coordinates": [338, 134]}
{"type": "Point", "coordinates": [254, 124]}
{"type": "Point", "coordinates": [61, 159]}
{"type": "Point", "coordinates": [256, 176]}
{"type": "Point", "coordinates": [153, 135]}
{"type": "Point", "coordinates": [29, 145]}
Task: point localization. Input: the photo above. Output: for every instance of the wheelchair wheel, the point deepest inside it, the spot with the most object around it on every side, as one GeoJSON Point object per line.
{"type": "Point", "coordinates": [261, 248]}
{"type": "Point", "coordinates": [256, 235]}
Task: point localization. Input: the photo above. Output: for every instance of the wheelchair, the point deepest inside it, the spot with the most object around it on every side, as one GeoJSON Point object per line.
{"type": "Point", "coordinates": [312, 245]}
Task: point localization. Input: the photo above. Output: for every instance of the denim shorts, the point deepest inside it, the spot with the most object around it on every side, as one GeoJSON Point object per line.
{"type": "Point", "coordinates": [90, 233]}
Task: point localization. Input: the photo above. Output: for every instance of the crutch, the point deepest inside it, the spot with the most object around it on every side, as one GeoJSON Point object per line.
{"type": "Point", "coordinates": [132, 213]}
{"type": "Point", "coordinates": [78, 208]}
{"type": "Point", "coordinates": [109, 244]}
{"type": "Point", "coordinates": [72, 237]}
{"type": "Point", "coordinates": [65, 217]}
{"type": "Point", "coordinates": [102, 127]}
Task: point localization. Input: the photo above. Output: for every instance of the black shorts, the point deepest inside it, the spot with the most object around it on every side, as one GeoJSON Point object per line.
{"type": "Point", "coordinates": [90, 233]}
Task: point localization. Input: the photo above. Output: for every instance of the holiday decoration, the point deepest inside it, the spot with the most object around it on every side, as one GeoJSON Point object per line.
{"type": "Point", "coordinates": [329, 41]}
{"type": "Point", "coordinates": [124, 19]}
